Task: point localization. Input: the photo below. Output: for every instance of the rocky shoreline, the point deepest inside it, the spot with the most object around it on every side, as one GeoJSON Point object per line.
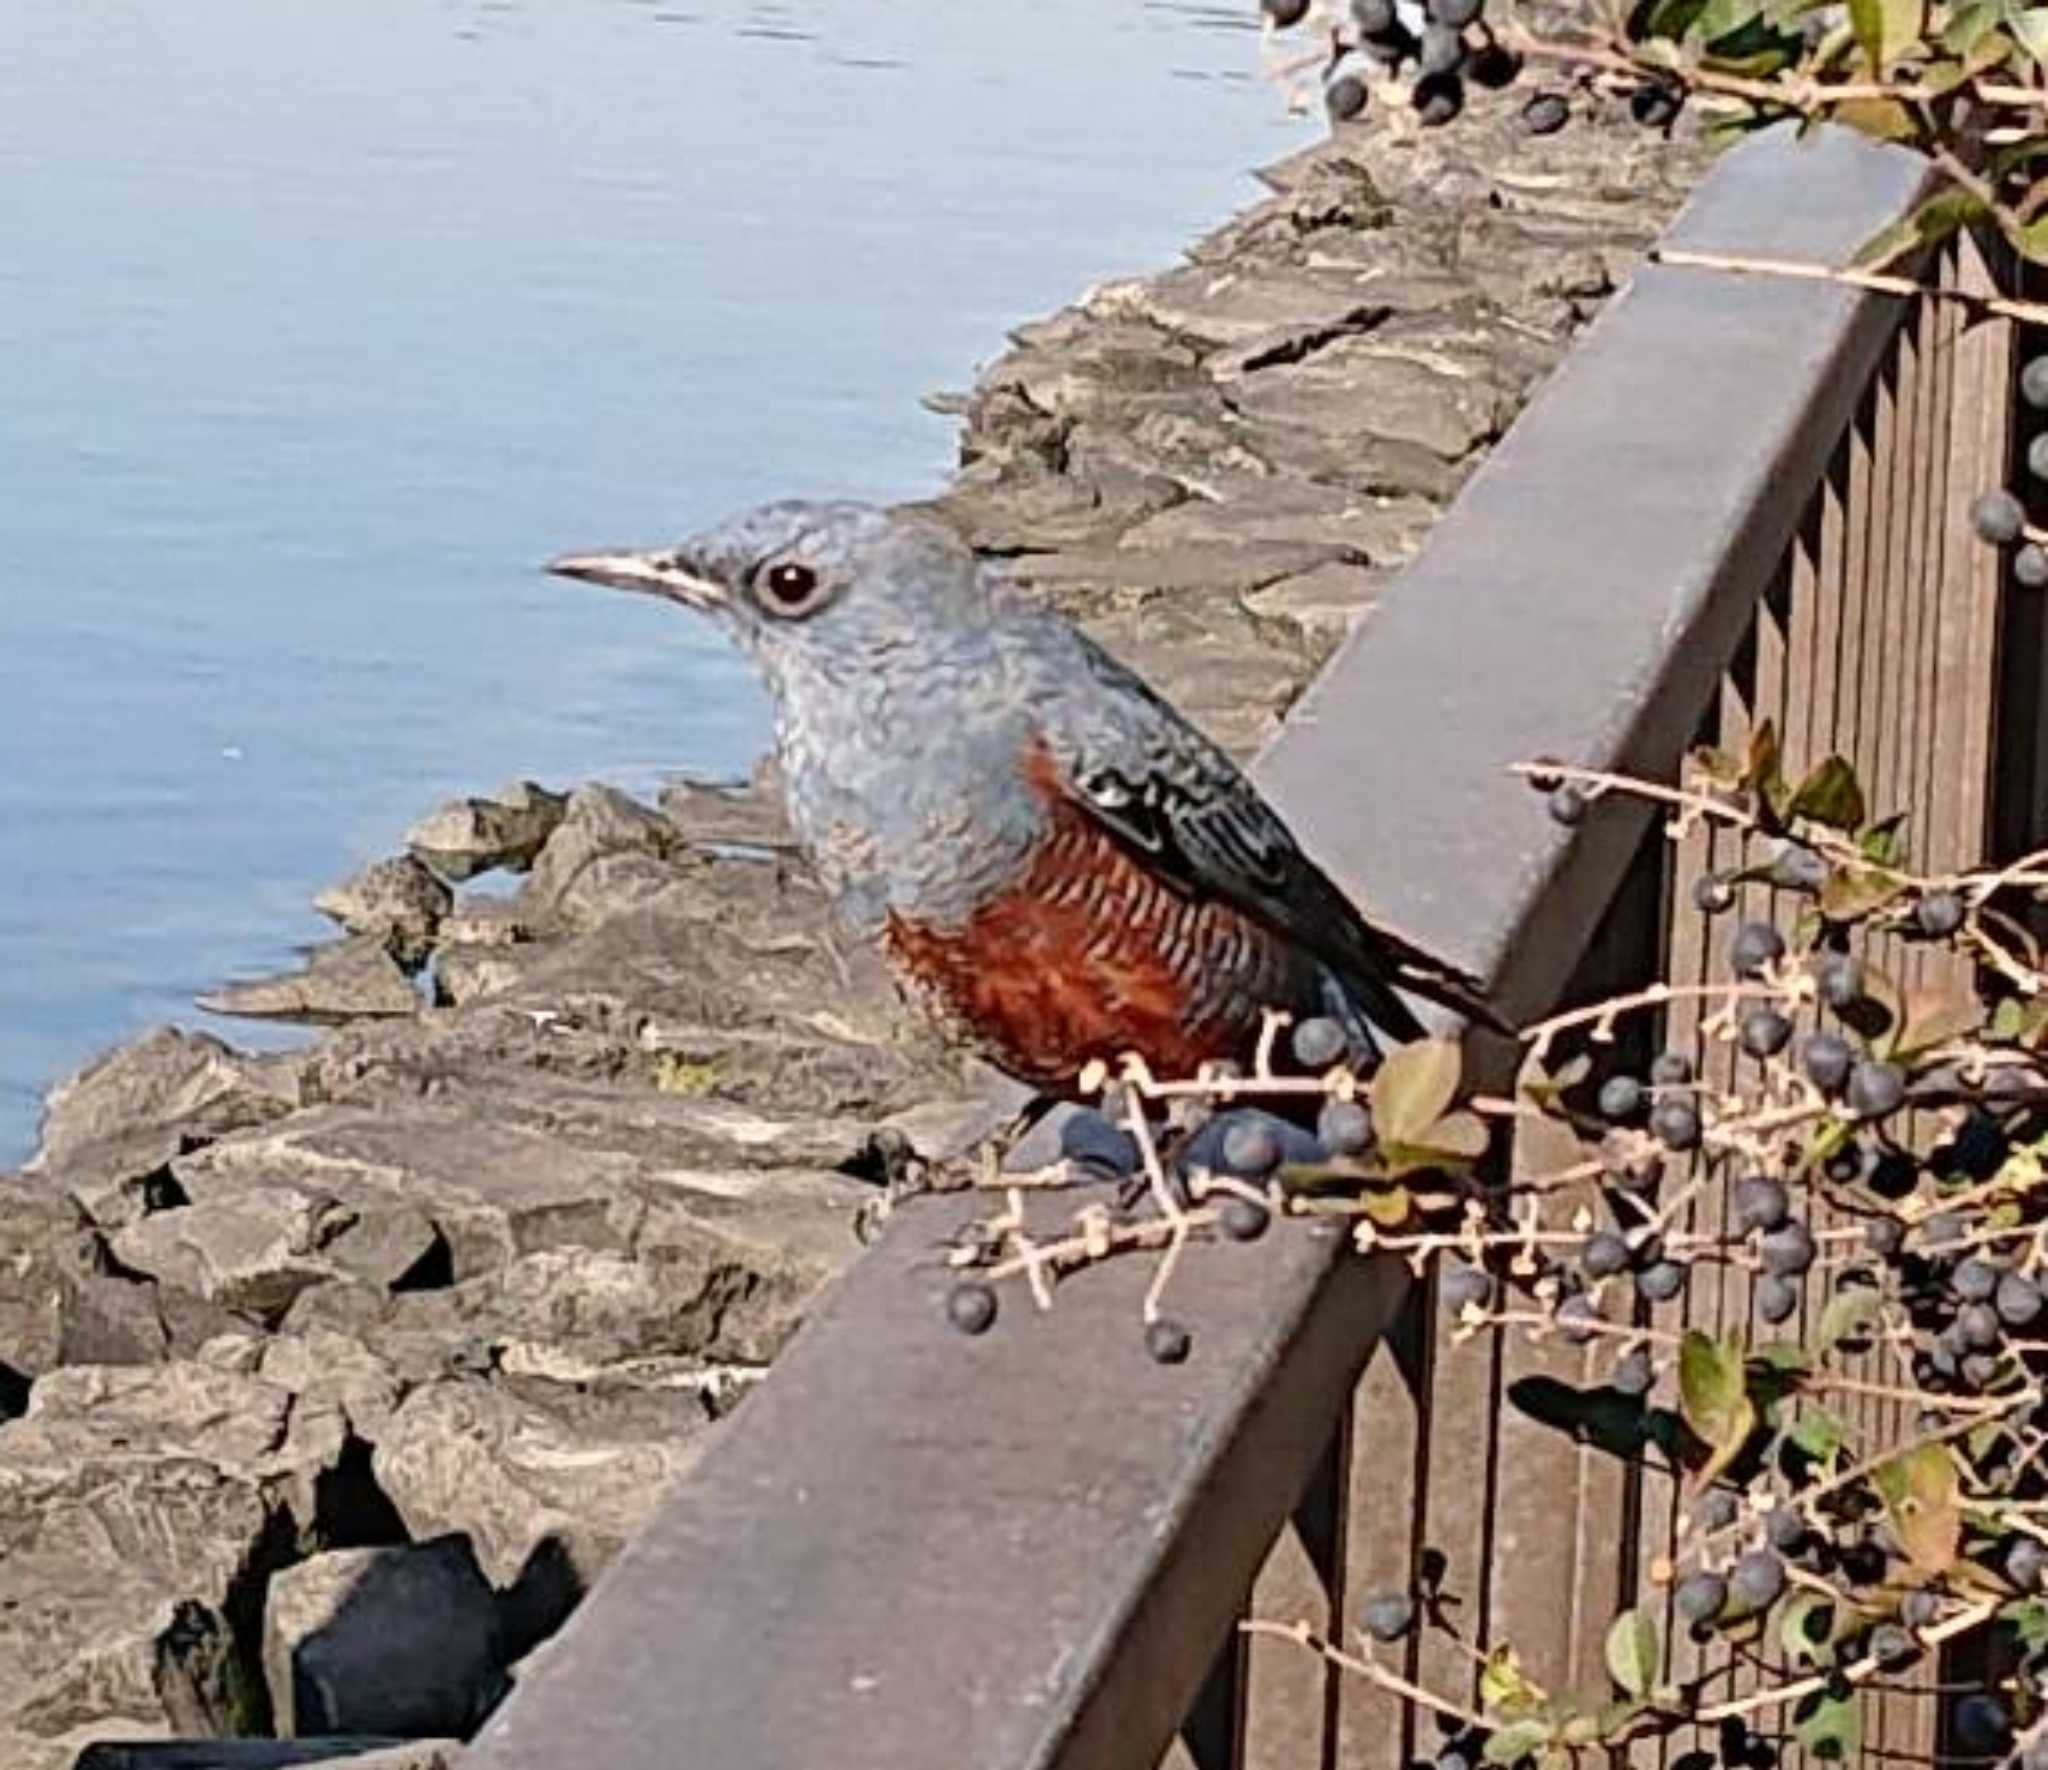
{"type": "Point", "coordinates": [330, 1378]}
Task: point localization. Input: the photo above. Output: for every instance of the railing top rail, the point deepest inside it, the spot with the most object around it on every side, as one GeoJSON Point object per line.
{"type": "Point", "coordinates": [914, 1550]}
{"type": "Point", "coordinates": [1586, 591]}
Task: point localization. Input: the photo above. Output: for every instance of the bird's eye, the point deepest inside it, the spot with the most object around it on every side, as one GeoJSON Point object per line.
{"type": "Point", "coordinates": [789, 588]}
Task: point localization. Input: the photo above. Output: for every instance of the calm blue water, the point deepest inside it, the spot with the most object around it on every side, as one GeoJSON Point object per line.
{"type": "Point", "coordinates": [323, 320]}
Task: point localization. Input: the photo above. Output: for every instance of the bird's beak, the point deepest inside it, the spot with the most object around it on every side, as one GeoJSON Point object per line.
{"type": "Point", "coordinates": [664, 572]}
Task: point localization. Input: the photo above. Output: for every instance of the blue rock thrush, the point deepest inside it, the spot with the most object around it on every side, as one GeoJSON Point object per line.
{"type": "Point", "coordinates": [1057, 865]}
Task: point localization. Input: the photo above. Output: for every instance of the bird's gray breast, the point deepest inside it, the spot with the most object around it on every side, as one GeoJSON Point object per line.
{"type": "Point", "coordinates": [909, 795]}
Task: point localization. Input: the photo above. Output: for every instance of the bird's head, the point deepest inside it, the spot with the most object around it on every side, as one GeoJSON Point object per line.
{"type": "Point", "coordinates": [832, 586]}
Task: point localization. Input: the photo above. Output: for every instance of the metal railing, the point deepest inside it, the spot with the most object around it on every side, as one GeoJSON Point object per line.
{"type": "Point", "coordinates": [1738, 499]}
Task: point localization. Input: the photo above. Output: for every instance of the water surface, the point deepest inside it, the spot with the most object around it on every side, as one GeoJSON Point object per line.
{"type": "Point", "coordinates": [323, 320]}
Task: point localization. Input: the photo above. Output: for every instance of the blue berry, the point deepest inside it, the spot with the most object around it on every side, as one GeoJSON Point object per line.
{"type": "Point", "coordinates": [1387, 1616]}
{"type": "Point", "coordinates": [971, 1306]}
{"type": "Point", "coordinates": [1605, 1254]}
{"type": "Point", "coordinates": [1319, 1042]}
{"type": "Point", "coordinates": [1250, 1148]}
{"type": "Point", "coordinates": [1756, 944]}
{"type": "Point", "coordinates": [1765, 1032]}
{"type": "Point", "coordinates": [1459, 1284]}
{"type": "Point", "coordinates": [1787, 1250]}
{"type": "Point", "coordinates": [1243, 1219]}
{"type": "Point", "coordinates": [1828, 1060]}
{"type": "Point", "coordinates": [1757, 1580]}
{"type": "Point", "coordinates": [1876, 1089]}
{"type": "Point", "coordinates": [1998, 517]}
{"type": "Point", "coordinates": [1939, 914]}
{"type": "Point", "coordinates": [1761, 1202]}
{"type": "Point", "coordinates": [1344, 1127]}
{"type": "Point", "coordinates": [1777, 1298]}
{"type": "Point", "coordinates": [1700, 1597]}
{"type": "Point", "coordinates": [1621, 1098]}
{"type": "Point", "coordinates": [1168, 1342]}
{"type": "Point", "coordinates": [1661, 1281]}
{"type": "Point", "coordinates": [1675, 1124]}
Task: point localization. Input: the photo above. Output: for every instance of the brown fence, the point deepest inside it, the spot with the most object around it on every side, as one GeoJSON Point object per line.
{"type": "Point", "coordinates": [1739, 500]}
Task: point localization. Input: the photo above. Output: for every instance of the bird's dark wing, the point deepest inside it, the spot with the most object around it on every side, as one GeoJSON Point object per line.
{"type": "Point", "coordinates": [1180, 803]}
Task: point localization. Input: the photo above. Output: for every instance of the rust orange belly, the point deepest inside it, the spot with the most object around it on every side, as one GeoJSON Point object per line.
{"type": "Point", "coordinates": [1086, 956]}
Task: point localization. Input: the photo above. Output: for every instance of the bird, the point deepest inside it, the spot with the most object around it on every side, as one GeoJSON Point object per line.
{"type": "Point", "coordinates": [1057, 865]}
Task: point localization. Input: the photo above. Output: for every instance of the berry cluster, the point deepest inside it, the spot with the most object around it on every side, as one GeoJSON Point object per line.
{"type": "Point", "coordinates": [1427, 53]}
{"type": "Point", "coordinates": [1182, 1159]}
{"type": "Point", "coordinates": [1855, 1144]}
{"type": "Point", "coordinates": [1998, 518]}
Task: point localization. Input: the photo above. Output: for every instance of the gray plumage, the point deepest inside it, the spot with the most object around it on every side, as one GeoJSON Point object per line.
{"type": "Point", "coordinates": [922, 705]}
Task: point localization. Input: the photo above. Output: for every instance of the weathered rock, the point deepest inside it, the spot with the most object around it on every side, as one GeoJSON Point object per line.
{"type": "Point", "coordinates": [547, 1500]}
{"type": "Point", "coordinates": [470, 836]}
{"type": "Point", "coordinates": [469, 971]}
{"type": "Point", "coordinates": [398, 901]}
{"type": "Point", "coordinates": [136, 1506]}
{"type": "Point", "coordinates": [401, 1640]}
{"type": "Point", "coordinates": [109, 1133]}
{"type": "Point", "coordinates": [1319, 606]}
{"type": "Point", "coordinates": [252, 1252]}
{"type": "Point", "coordinates": [327, 1368]}
{"type": "Point", "coordinates": [255, 1248]}
{"type": "Point", "coordinates": [749, 816]}
{"type": "Point", "coordinates": [330, 1753]}
{"type": "Point", "coordinates": [37, 1225]}
{"type": "Point", "coordinates": [608, 855]}
{"type": "Point", "coordinates": [352, 980]}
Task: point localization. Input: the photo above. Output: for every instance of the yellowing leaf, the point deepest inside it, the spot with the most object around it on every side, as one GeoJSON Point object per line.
{"type": "Point", "coordinates": [1882, 119]}
{"type": "Point", "coordinates": [1919, 1490]}
{"type": "Point", "coordinates": [1884, 29]}
{"type": "Point", "coordinates": [1413, 1088]}
{"type": "Point", "coordinates": [1505, 1688]}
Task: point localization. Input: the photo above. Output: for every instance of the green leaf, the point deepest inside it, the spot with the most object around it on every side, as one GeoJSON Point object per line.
{"type": "Point", "coordinates": [1723, 18]}
{"type": "Point", "coordinates": [1886, 244]}
{"type": "Point", "coordinates": [1884, 843]}
{"type": "Point", "coordinates": [1969, 24]}
{"type": "Point", "coordinates": [2032, 241]}
{"type": "Point", "coordinates": [1849, 894]}
{"type": "Point", "coordinates": [2029, 29]}
{"type": "Point", "coordinates": [1713, 1395]}
{"type": "Point", "coordinates": [1516, 1741]}
{"type": "Point", "coordinates": [1830, 1728]}
{"type": "Point", "coordinates": [2029, 1620]}
{"type": "Point", "coordinates": [1919, 1491]}
{"type": "Point", "coordinates": [1818, 1433]}
{"type": "Point", "coordinates": [1928, 225]}
{"type": "Point", "coordinates": [1831, 794]}
{"type": "Point", "coordinates": [1850, 1314]}
{"type": "Point", "coordinates": [1413, 1088]}
{"type": "Point", "coordinates": [1884, 29]}
{"type": "Point", "coordinates": [1634, 1652]}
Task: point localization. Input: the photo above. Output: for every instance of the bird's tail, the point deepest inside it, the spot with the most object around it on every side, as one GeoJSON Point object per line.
{"type": "Point", "coordinates": [1391, 959]}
